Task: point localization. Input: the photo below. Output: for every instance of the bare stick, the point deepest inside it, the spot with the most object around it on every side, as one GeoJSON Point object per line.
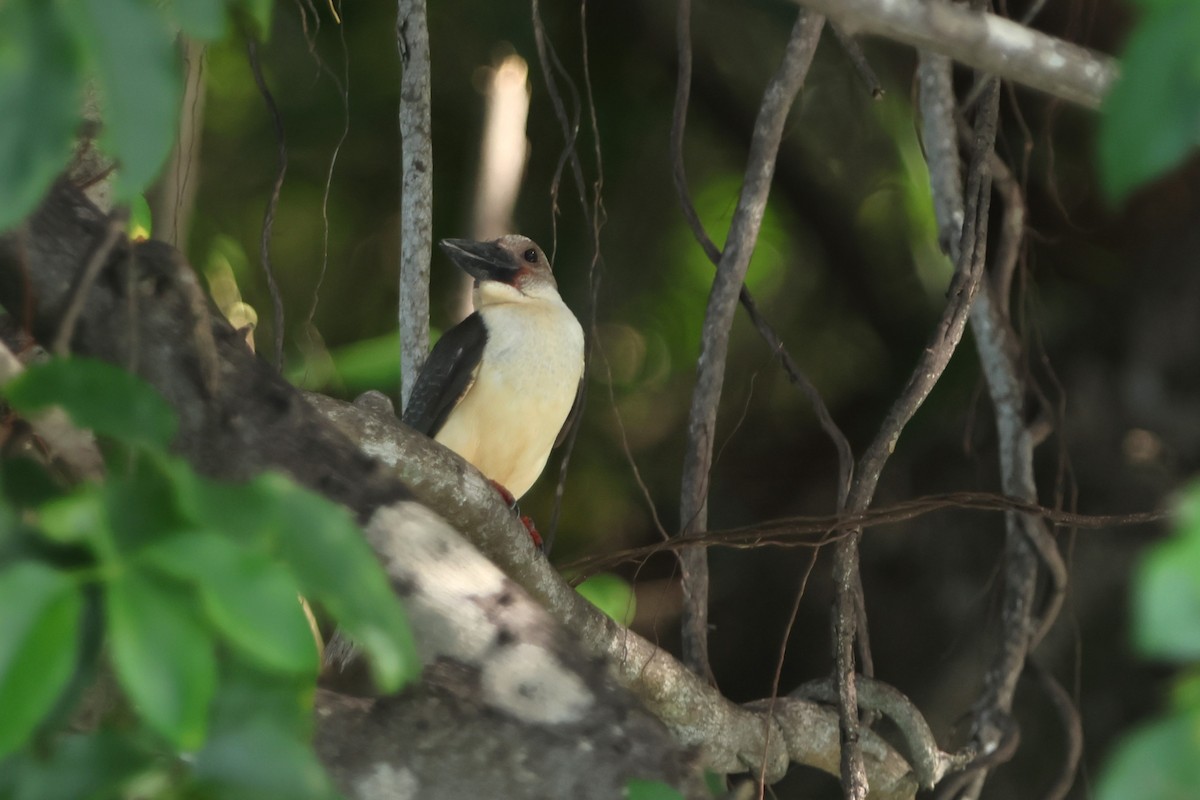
{"type": "Point", "coordinates": [416, 190]}
{"type": "Point", "coordinates": [731, 272]}
{"type": "Point", "coordinates": [984, 41]}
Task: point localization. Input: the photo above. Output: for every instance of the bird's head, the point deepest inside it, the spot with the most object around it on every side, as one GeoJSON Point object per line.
{"type": "Point", "coordinates": [506, 270]}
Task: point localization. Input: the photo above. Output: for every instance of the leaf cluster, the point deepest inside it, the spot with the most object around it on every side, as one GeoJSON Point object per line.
{"type": "Point", "coordinates": [187, 592]}
{"type": "Point", "coordinates": [1161, 759]}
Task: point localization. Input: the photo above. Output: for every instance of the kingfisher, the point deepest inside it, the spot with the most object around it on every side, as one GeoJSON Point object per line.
{"type": "Point", "coordinates": [502, 387]}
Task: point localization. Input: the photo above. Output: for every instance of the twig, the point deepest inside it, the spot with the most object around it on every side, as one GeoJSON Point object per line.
{"type": "Point", "coordinates": [817, 531]}
{"type": "Point", "coordinates": [342, 84]}
{"type": "Point", "coordinates": [264, 243]}
{"type": "Point", "coordinates": [858, 58]}
{"type": "Point", "coordinates": [84, 283]}
{"type": "Point", "coordinates": [1064, 706]}
{"type": "Point", "coordinates": [416, 190]}
{"type": "Point", "coordinates": [985, 41]}
{"type": "Point", "coordinates": [731, 272]}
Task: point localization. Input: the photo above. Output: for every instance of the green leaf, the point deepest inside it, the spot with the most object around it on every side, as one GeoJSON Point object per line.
{"type": "Point", "coordinates": [40, 80]}
{"type": "Point", "coordinates": [163, 656]}
{"type": "Point", "coordinates": [141, 505]}
{"type": "Point", "coordinates": [612, 595]}
{"type": "Point", "coordinates": [1159, 760]}
{"type": "Point", "coordinates": [133, 52]}
{"type": "Point", "coordinates": [638, 789]}
{"type": "Point", "coordinates": [74, 518]}
{"type": "Point", "coordinates": [99, 396]}
{"type": "Point", "coordinates": [253, 601]}
{"type": "Point", "coordinates": [82, 767]}
{"type": "Point", "coordinates": [261, 761]}
{"type": "Point", "coordinates": [1151, 118]}
{"type": "Point", "coordinates": [1166, 599]}
{"type": "Point", "coordinates": [337, 569]}
{"type": "Point", "coordinates": [39, 643]}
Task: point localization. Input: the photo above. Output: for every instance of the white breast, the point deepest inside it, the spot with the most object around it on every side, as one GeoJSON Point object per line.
{"type": "Point", "coordinates": [529, 374]}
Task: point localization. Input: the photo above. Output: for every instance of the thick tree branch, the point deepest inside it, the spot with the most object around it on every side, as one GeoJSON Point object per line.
{"type": "Point", "coordinates": [504, 689]}
{"type": "Point", "coordinates": [416, 190]}
{"type": "Point", "coordinates": [984, 41]}
{"type": "Point", "coordinates": [731, 738]}
{"type": "Point", "coordinates": [722, 302]}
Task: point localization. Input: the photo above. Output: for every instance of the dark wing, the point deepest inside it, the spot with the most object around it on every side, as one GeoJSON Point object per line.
{"type": "Point", "coordinates": [447, 375]}
{"type": "Point", "coordinates": [569, 422]}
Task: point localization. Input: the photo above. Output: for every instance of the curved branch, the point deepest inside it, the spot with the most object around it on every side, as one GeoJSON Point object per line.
{"type": "Point", "coordinates": [722, 301]}
{"type": "Point", "coordinates": [984, 41]}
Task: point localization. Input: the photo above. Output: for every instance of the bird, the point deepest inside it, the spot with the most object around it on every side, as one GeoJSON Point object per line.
{"type": "Point", "coordinates": [501, 388]}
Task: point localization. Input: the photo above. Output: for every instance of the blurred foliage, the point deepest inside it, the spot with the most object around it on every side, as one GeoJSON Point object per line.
{"type": "Point", "coordinates": [124, 52]}
{"type": "Point", "coordinates": [188, 590]}
{"type": "Point", "coordinates": [1151, 119]}
{"type": "Point", "coordinates": [1161, 759]}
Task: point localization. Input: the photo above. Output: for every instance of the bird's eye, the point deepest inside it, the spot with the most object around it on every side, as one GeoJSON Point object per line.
{"type": "Point", "coordinates": [531, 256]}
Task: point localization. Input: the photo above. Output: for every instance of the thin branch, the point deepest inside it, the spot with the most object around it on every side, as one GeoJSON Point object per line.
{"type": "Point", "coordinates": [416, 190]}
{"type": "Point", "coordinates": [113, 231]}
{"type": "Point", "coordinates": [942, 344]}
{"type": "Point", "coordinates": [1028, 544]}
{"type": "Point", "coordinates": [819, 530]}
{"type": "Point", "coordinates": [858, 58]}
{"type": "Point", "coordinates": [264, 243]}
{"type": "Point", "coordinates": [731, 272]}
{"type": "Point", "coordinates": [936, 100]}
{"type": "Point", "coordinates": [342, 84]}
{"type": "Point", "coordinates": [985, 41]}
{"type": "Point", "coordinates": [761, 324]}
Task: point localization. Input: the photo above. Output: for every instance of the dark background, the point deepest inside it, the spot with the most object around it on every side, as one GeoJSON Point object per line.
{"type": "Point", "coordinates": [847, 268]}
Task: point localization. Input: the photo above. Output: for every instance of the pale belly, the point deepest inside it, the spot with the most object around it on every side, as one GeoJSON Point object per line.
{"type": "Point", "coordinates": [508, 421]}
